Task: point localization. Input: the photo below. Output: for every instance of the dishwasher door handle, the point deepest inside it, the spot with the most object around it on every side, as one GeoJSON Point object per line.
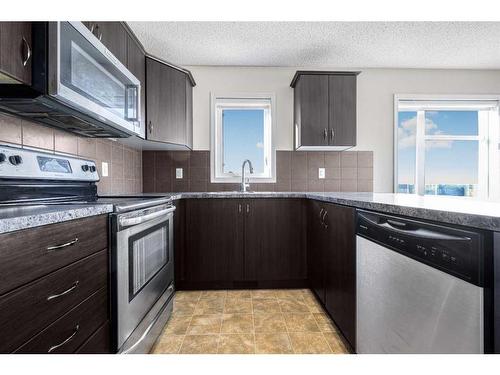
{"type": "Point", "coordinates": [408, 229]}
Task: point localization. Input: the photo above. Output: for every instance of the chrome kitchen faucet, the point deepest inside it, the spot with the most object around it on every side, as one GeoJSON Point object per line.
{"type": "Point", "coordinates": [245, 185]}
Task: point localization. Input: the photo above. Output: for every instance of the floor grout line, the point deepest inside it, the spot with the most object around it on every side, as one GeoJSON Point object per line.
{"type": "Point", "coordinates": [313, 307]}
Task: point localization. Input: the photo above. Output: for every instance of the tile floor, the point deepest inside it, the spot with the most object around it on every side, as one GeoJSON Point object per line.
{"type": "Point", "coordinates": [281, 321]}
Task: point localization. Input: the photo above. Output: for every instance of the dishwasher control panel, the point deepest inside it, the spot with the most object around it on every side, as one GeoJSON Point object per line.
{"type": "Point", "coordinates": [451, 250]}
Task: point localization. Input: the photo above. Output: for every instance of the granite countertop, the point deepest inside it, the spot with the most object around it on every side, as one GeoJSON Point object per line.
{"type": "Point", "coordinates": [452, 210]}
{"type": "Point", "coordinates": [22, 217]}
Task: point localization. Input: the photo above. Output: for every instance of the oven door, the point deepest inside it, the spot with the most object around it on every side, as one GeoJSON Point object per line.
{"type": "Point", "coordinates": [89, 78]}
{"type": "Point", "coordinates": [144, 265]}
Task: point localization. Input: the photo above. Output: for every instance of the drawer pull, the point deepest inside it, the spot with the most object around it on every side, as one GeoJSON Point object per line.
{"type": "Point", "coordinates": [57, 247]}
{"type": "Point", "coordinates": [75, 331]}
{"type": "Point", "coordinates": [73, 287]}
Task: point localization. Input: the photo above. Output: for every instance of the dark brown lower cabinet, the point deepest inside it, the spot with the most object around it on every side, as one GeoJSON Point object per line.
{"type": "Point", "coordinates": [340, 274]}
{"type": "Point", "coordinates": [236, 243]}
{"type": "Point", "coordinates": [331, 258]}
{"type": "Point", "coordinates": [214, 233]}
{"type": "Point", "coordinates": [315, 249]}
{"type": "Point", "coordinates": [275, 240]}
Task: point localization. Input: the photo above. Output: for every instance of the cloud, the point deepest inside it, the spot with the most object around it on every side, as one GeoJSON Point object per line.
{"type": "Point", "coordinates": [259, 145]}
{"type": "Point", "coordinates": [407, 132]}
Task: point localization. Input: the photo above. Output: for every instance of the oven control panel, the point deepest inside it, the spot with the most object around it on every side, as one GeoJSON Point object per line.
{"type": "Point", "coordinates": [21, 163]}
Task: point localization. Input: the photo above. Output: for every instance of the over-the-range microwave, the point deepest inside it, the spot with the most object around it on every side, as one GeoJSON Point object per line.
{"type": "Point", "coordinates": [77, 85]}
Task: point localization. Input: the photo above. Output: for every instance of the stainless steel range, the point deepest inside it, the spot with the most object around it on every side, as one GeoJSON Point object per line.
{"type": "Point", "coordinates": [141, 237]}
{"type": "Point", "coordinates": [142, 272]}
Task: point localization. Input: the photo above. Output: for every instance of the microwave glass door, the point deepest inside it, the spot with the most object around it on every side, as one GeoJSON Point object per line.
{"type": "Point", "coordinates": [95, 75]}
{"type": "Point", "coordinates": [148, 255]}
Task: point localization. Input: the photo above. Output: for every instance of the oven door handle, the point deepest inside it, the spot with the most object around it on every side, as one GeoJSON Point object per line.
{"type": "Point", "coordinates": [129, 221]}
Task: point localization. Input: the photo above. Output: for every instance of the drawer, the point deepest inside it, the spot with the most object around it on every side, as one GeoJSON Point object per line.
{"type": "Point", "coordinates": [40, 303]}
{"type": "Point", "coordinates": [98, 343]}
{"type": "Point", "coordinates": [31, 253]}
{"type": "Point", "coordinates": [70, 331]}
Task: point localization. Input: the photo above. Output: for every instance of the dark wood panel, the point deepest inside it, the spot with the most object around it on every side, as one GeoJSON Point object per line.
{"type": "Point", "coordinates": [214, 247]}
{"type": "Point", "coordinates": [136, 63]}
{"type": "Point", "coordinates": [25, 255]}
{"type": "Point", "coordinates": [340, 262]}
{"type": "Point", "coordinates": [15, 40]}
{"type": "Point", "coordinates": [312, 110]}
{"type": "Point", "coordinates": [189, 114]}
{"type": "Point", "coordinates": [275, 246]}
{"type": "Point", "coordinates": [73, 329]}
{"type": "Point", "coordinates": [98, 343]}
{"type": "Point", "coordinates": [179, 241]}
{"type": "Point", "coordinates": [166, 103]}
{"type": "Point", "coordinates": [36, 306]}
{"type": "Point", "coordinates": [113, 35]}
{"type": "Point", "coordinates": [315, 252]}
{"type": "Point", "coordinates": [342, 110]}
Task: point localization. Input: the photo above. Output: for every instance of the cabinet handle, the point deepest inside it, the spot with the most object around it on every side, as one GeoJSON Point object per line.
{"type": "Point", "coordinates": [73, 287]}
{"type": "Point", "coordinates": [92, 28]}
{"type": "Point", "coordinates": [321, 215]}
{"type": "Point", "coordinates": [325, 134]}
{"type": "Point", "coordinates": [75, 331]}
{"type": "Point", "coordinates": [57, 247]}
{"type": "Point", "coordinates": [248, 208]}
{"type": "Point", "coordinates": [100, 36]}
{"type": "Point", "coordinates": [323, 220]}
{"type": "Point", "coordinates": [239, 208]}
{"type": "Point", "coordinates": [332, 134]}
{"type": "Point", "coordinates": [150, 126]}
{"type": "Point", "coordinates": [26, 52]}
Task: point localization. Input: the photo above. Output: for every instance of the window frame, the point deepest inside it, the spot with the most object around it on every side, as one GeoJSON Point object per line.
{"type": "Point", "coordinates": [219, 102]}
{"type": "Point", "coordinates": [488, 140]}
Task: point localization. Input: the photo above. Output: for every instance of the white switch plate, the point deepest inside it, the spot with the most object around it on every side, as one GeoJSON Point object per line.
{"type": "Point", "coordinates": [104, 169]}
{"type": "Point", "coordinates": [321, 173]}
{"type": "Point", "coordinates": [178, 173]}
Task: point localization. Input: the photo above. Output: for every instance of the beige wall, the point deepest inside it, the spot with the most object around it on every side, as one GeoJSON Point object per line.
{"type": "Point", "coordinates": [125, 164]}
{"type": "Point", "coordinates": [376, 88]}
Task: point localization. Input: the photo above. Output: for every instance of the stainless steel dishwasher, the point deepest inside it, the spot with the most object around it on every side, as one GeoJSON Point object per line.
{"type": "Point", "coordinates": [420, 287]}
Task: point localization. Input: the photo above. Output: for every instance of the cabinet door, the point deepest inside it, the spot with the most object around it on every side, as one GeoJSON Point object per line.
{"type": "Point", "coordinates": [274, 240]}
{"type": "Point", "coordinates": [342, 110]}
{"type": "Point", "coordinates": [113, 35]}
{"type": "Point", "coordinates": [312, 110]}
{"type": "Point", "coordinates": [166, 103]}
{"type": "Point", "coordinates": [214, 242]}
{"type": "Point", "coordinates": [16, 50]}
{"type": "Point", "coordinates": [340, 259]}
{"type": "Point", "coordinates": [189, 114]}
{"type": "Point", "coordinates": [136, 63]}
{"type": "Point", "coordinates": [315, 254]}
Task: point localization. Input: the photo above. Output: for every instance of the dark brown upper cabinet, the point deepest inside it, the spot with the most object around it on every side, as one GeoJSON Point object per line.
{"type": "Point", "coordinates": [113, 35]}
{"type": "Point", "coordinates": [324, 110]}
{"type": "Point", "coordinates": [136, 63]}
{"type": "Point", "coordinates": [15, 52]}
{"type": "Point", "coordinates": [169, 103]}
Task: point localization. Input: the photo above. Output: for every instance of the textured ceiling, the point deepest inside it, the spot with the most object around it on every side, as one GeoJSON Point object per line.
{"type": "Point", "coordinates": [337, 44]}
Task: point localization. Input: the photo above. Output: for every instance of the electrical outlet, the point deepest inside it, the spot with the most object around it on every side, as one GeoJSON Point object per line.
{"type": "Point", "coordinates": [321, 173]}
{"type": "Point", "coordinates": [178, 173]}
{"type": "Point", "coordinates": [104, 169]}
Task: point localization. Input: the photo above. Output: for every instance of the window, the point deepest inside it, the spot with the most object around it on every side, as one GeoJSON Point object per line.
{"type": "Point", "coordinates": [447, 146]}
{"type": "Point", "coordinates": [242, 128]}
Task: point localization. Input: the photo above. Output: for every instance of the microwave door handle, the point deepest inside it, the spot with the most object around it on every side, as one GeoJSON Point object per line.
{"type": "Point", "coordinates": [135, 96]}
{"type": "Point", "coordinates": [127, 222]}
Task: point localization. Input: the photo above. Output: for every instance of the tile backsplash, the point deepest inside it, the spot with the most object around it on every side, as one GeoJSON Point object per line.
{"type": "Point", "coordinates": [295, 171]}
{"type": "Point", "coordinates": [124, 163]}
